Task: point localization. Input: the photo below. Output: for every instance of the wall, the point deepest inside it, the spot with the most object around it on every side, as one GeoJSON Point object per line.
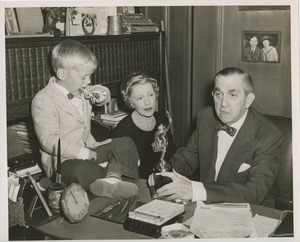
{"type": "Point", "coordinates": [178, 25]}
{"type": "Point", "coordinates": [272, 80]}
{"type": "Point", "coordinates": [206, 56]}
{"type": "Point", "coordinates": [204, 39]}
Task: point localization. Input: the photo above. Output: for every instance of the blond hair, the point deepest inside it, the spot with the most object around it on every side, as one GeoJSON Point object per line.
{"type": "Point", "coordinates": [71, 52]}
{"type": "Point", "coordinates": [134, 79]}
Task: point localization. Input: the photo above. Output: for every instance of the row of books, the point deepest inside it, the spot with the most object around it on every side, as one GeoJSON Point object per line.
{"type": "Point", "coordinates": [28, 69]}
{"type": "Point", "coordinates": [136, 22]}
{"type": "Point", "coordinates": [111, 120]}
{"type": "Point", "coordinates": [27, 136]}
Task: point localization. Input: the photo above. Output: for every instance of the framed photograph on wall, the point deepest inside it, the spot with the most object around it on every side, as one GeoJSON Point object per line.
{"type": "Point", "coordinates": [261, 46]}
{"type": "Point", "coordinates": [11, 23]}
{"type": "Point", "coordinates": [88, 20]}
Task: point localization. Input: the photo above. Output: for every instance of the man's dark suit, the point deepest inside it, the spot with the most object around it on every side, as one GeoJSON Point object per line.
{"type": "Point", "coordinates": [256, 144]}
{"type": "Point", "coordinates": [256, 56]}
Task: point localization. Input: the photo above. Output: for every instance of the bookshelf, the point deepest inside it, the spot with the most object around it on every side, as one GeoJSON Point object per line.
{"type": "Point", "coordinates": [28, 66]}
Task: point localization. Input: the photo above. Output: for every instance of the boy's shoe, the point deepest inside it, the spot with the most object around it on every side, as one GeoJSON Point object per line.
{"type": "Point", "coordinates": [116, 190]}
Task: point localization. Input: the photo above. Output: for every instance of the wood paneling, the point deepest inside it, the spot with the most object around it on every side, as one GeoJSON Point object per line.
{"type": "Point", "coordinates": [206, 55]}
{"type": "Point", "coordinates": [178, 24]}
{"type": "Point", "coordinates": [272, 81]}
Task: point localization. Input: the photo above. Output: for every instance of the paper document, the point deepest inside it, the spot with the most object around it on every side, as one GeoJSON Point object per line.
{"type": "Point", "coordinates": [224, 220]}
{"type": "Point", "coordinates": [264, 226]}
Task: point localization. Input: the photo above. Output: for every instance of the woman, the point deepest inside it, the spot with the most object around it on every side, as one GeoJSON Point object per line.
{"type": "Point", "coordinates": [269, 52]}
{"type": "Point", "coordinates": [140, 92]}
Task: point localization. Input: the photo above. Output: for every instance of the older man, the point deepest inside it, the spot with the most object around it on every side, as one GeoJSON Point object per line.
{"type": "Point", "coordinates": [235, 147]}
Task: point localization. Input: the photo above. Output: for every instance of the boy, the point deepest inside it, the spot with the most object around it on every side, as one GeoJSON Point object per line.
{"type": "Point", "coordinates": [61, 111]}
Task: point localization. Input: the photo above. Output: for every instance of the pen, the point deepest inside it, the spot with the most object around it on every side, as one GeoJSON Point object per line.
{"type": "Point", "coordinates": [58, 172]}
{"type": "Point", "coordinates": [126, 204]}
{"type": "Point", "coordinates": [119, 207]}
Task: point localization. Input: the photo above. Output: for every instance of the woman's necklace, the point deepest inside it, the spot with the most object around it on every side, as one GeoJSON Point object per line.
{"type": "Point", "coordinates": [144, 123]}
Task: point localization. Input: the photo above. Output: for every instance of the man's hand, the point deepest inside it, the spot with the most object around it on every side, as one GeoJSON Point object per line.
{"type": "Point", "coordinates": [92, 155]}
{"type": "Point", "coordinates": [180, 188]}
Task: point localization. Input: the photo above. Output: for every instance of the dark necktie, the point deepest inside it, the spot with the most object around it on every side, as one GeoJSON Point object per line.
{"type": "Point", "coordinates": [230, 130]}
{"type": "Point", "coordinates": [70, 96]}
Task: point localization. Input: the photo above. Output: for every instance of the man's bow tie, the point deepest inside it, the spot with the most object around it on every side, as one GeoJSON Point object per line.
{"type": "Point", "coordinates": [70, 96]}
{"type": "Point", "coordinates": [230, 130]}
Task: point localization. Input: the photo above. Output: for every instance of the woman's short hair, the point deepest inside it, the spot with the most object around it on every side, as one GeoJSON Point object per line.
{"type": "Point", "coordinates": [133, 79]}
{"type": "Point", "coordinates": [65, 53]}
{"type": "Point", "coordinates": [248, 86]}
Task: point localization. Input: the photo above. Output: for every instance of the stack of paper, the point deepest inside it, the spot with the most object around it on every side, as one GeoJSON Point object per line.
{"type": "Point", "coordinates": [224, 220]}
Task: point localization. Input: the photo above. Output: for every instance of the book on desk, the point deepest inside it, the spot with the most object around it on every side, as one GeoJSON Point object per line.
{"type": "Point", "coordinates": [149, 218]}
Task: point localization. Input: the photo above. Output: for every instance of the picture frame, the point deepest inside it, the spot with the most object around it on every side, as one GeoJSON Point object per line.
{"type": "Point", "coordinates": [11, 23]}
{"type": "Point", "coordinates": [88, 20]}
{"type": "Point", "coordinates": [262, 8]}
{"type": "Point", "coordinates": [261, 46]}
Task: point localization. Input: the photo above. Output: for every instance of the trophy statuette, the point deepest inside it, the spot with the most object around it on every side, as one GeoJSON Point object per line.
{"type": "Point", "coordinates": [160, 145]}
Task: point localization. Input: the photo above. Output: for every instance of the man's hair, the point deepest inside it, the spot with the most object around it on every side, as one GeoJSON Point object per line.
{"type": "Point", "coordinates": [65, 53]}
{"type": "Point", "coordinates": [253, 36]}
{"type": "Point", "coordinates": [233, 71]}
{"type": "Point", "coordinates": [133, 79]}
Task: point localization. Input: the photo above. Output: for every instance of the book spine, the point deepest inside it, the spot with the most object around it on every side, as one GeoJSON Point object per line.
{"type": "Point", "coordinates": [107, 62]}
{"type": "Point", "coordinates": [140, 57]}
{"type": "Point", "coordinates": [127, 59]}
{"type": "Point", "coordinates": [46, 66]}
{"type": "Point", "coordinates": [130, 16]}
{"type": "Point", "coordinates": [145, 47]}
{"type": "Point", "coordinates": [151, 50]}
{"type": "Point", "coordinates": [93, 48]}
{"type": "Point", "coordinates": [20, 73]}
{"type": "Point", "coordinates": [148, 229]}
{"type": "Point", "coordinates": [102, 70]}
{"type": "Point", "coordinates": [122, 62]}
{"type": "Point", "coordinates": [115, 62]}
{"type": "Point", "coordinates": [27, 74]}
{"type": "Point", "coordinates": [141, 227]}
{"type": "Point", "coordinates": [39, 63]}
{"type": "Point", "coordinates": [111, 62]}
{"type": "Point", "coordinates": [33, 70]}
{"type": "Point", "coordinates": [131, 57]}
{"type": "Point", "coordinates": [8, 77]}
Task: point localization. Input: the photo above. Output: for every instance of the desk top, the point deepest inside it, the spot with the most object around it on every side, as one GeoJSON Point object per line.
{"type": "Point", "coordinates": [95, 228]}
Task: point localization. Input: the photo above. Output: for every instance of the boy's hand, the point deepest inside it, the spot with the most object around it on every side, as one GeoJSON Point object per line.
{"type": "Point", "coordinates": [92, 155]}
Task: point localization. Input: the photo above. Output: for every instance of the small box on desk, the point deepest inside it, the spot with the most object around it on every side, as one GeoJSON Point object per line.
{"type": "Point", "coordinates": [24, 163]}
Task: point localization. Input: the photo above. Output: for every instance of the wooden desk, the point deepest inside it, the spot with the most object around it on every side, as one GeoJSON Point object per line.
{"type": "Point", "coordinates": [95, 228]}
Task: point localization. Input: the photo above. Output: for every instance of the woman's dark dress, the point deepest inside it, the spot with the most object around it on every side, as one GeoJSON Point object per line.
{"type": "Point", "coordinates": [143, 140]}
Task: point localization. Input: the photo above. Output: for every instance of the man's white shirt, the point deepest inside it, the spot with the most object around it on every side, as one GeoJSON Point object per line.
{"type": "Point", "coordinates": [224, 144]}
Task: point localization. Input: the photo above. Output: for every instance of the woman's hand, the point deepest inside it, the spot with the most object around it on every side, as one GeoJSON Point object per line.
{"type": "Point", "coordinates": [180, 188]}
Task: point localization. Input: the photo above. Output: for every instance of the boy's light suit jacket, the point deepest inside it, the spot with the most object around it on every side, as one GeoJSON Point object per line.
{"type": "Point", "coordinates": [54, 118]}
